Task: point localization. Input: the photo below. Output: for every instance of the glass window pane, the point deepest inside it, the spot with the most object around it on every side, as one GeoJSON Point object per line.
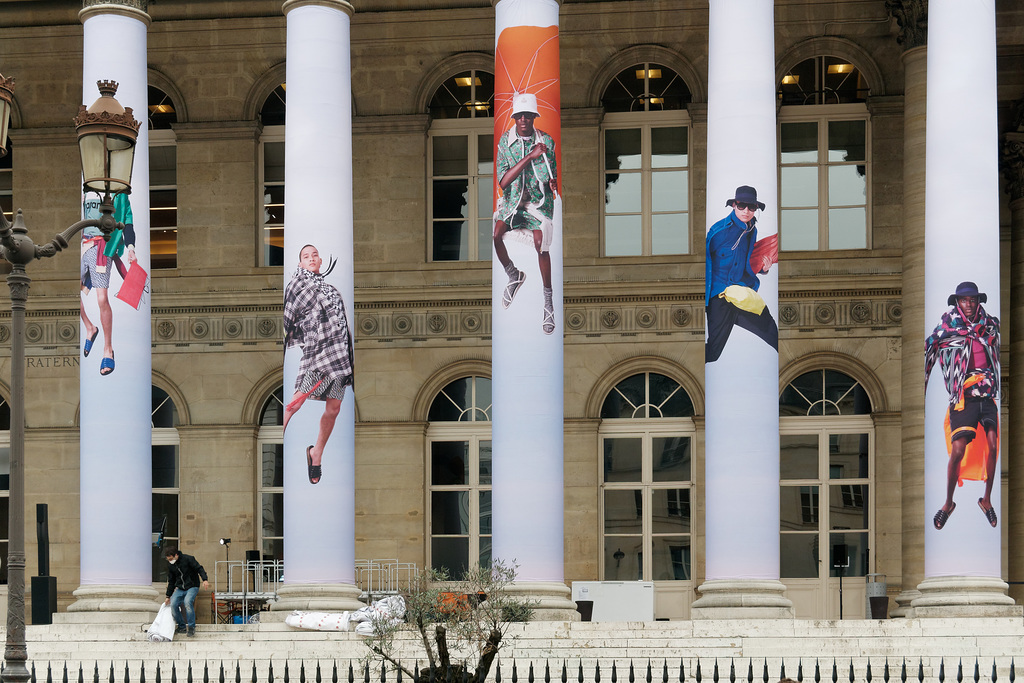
{"type": "Point", "coordinates": [798, 456]}
{"type": "Point", "coordinates": [666, 85]}
{"type": "Point", "coordinates": [163, 248]}
{"type": "Point", "coordinates": [165, 513]}
{"type": "Point", "coordinates": [798, 508]}
{"type": "Point", "coordinates": [623, 459]}
{"type": "Point", "coordinates": [670, 458]}
{"type": "Point", "coordinates": [272, 465]}
{"type": "Point", "coordinates": [670, 560]}
{"type": "Point", "coordinates": [623, 511]}
{"type": "Point", "coordinates": [799, 186]}
{"type": "Point", "coordinates": [273, 204]}
{"type": "Point", "coordinates": [622, 236]}
{"type": "Point", "coordinates": [856, 553]}
{"type": "Point", "coordinates": [668, 399]}
{"type": "Point", "coordinates": [848, 506]}
{"type": "Point", "coordinates": [449, 513]}
{"type": "Point", "coordinates": [670, 511]}
{"type": "Point", "coordinates": [623, 400]}
{"type": "Point", "coordinates": [670, 233]}
{"type": "Point", "coordinates": [847, 185]}
{"type": "Point", "coordinates": [485, 512]}
{"type": "Point", "coordinates": [798, 556]}
{"type": "Point", "coordinates": [848, 228]}
{"type": "Point", "coordinates": [449, 463]}
{"type": "Point", "coordinates": [485, 154]}
{"type": "Point", "coordinates": [799, 230]}
{"type": "Point", "coordinates": [163, 208]}
{"type": "Point", "coordinates": [451, 155]}
{"type": "Point", "coordinates": [484, 246]}
{"type": "Point", "coordinates": [846, 140]}
{"type": "Point", "coordinates": [273, 409]}
{"type": "Point", "coordinates": [451, 197]}
{"type": "Point", "coordinates": [273, 162]}
{"type": "Point", "coordinates": [483, 396]}
{"type": "Point", "coordinates": [273, 514]}
{"type": "Point", "coordinates": [485, 551]}
{"type": "Point", "coordinates": [485, 463]}
{"type": "Point", "coordinates": [5, 473]}
{"type": "Point", "coordinates": [799, 144]}
{"type": "Point", "coordinates": [451, 402]}
{"type": "Point", "coordinates": [668, 147]}
{"type": "Point", "coordinates": [668, 191]}
{"type": "Point", "coordinates": [163, 165]}
{"type": "Point", "coordinates": [622, 193]}
{"type": "Point", "coordinates": [485, 201]}
{"type": "Point", "coordinates": [451, 554]}
{"type": "Point", "coordinates": [848, 456]}
{"type": "Point", "coordinates": [165, 467]}
{"type": "Point", "coordinates": [451, 241]}
{"type": "Point", "coordinates": [273, 548]}
{"type": "Point", "coordinates": [623, 558]}
{"type": "Point", "coordinates": [165, 413]}
{"type": "Point", "coordinates": [622, 149]}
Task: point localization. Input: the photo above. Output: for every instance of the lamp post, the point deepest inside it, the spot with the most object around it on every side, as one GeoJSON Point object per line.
{"type": "Point", "coordinates": [106, 138]}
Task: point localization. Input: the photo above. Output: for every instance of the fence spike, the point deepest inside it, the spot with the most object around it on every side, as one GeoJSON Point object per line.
{"type": "Point", "coordinates": [764, 673]}
{"type": "Point", "coordinates": [942, 671]}
{"type": "Point", "coordinates": [903, 671]}
{"type": "Point", "coordinates": [157, 676]}
{"type": "Point", "coordinates": [351, 673]}
{"type": "Point", "coordinates": [1013, 673]}
{"type": "Point", "coordinates": [287, 675]}
{"type": "Point", "coordinates": [81, 674]}
{"type": "Point", "coordinates": [398, 673]}
{"type": "Point", "coordinates": [960, 670]}
{"type": "Point", "coordinates": [49, 673]}
{"type": "Point", "coordinates": [318, 674]}
{"type": "Point", "coordinates": [615, 673]}
{"type": "Point", "coordinates": [270, 672]}
{"type": "Point", "coordinates": [206, 672]}
{"type": "Point", "coordinates": [632, 676]}
{"type": "Point", "coordinates": [977, 673]}
{"type": "Point", "coordinates": [416, 673]}
{"type": "Point", "coordinates": [238, 671]}
{"type": "Point", "coordinates": [174, 673]}
{"type": "Point", "coordinates": [835, 671]}
{"type": "Point", "coordinates": [579, 676]}
{"type": "Point", "coordinates": [565, 672]}
{"type": "Point", "coordinates": [867, 674]}
{"type": "Point", "coordinates": [885, 671]}
{"type": "Point", "coordinates": [920, 671]}
{"type": "Point", "coordinates": [64, 676]}
{"type": "Point", "coordinates": [714, 673]}
{"type": "Point", "coordinates": [995, 676]}
{"type": "Point", "coordinates": [110, 674]}
{"type": "Point", "coordinates": [529, 674]}
{"type": "Point", "coordinates": [597, 671]}
{"type": "Point", "coordinates": [851, 671]}
{"type": "Point", "coordinates": [817, 671]}
{"type": "Point", "coordinates": [547, 672]}
{"type": "Point", "coordinates": [188, 675]}
{"type": "Point", "coordinates": [253, 679]}
{"type": "Point", "coordinates": [782, 669]}
{"type": "Point", "coordinates": [334, 672]}
{"type": "Point", "coordinates": [750, 670]}
{"type": "Point", "coordinates": [800, 670]}
{"type": "Point", "coordinates": [515, 672]}
{"type": "Point", "coordinates": [142, 672]}
{"type": "Point", "coordinates": [648, 678]}
{"type": "Point", "coordinates": [302, 671]}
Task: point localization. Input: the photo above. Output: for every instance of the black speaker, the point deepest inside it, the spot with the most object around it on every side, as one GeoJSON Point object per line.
{"type": "Point", "coordinates": [839, 555]}
{"type": "Point", "coordinates": [43, 539]}
{"type": "Point", "coordinates": [252, 556]}
{"type": "Point", "coordinates": [44, 599]}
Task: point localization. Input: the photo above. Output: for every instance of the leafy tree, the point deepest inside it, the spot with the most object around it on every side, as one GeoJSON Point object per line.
{"type": "Point", "coordinates": [461, 624]}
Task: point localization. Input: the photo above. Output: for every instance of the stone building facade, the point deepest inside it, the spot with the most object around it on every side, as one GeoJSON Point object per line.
{"type": "Point", "coordinates": [850, 321]}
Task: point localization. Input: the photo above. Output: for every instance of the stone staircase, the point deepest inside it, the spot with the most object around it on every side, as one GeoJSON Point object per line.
{"type": "Point", "coordinates": [249, 651]}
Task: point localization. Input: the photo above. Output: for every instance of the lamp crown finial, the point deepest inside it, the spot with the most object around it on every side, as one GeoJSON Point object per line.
{"type": "Point", "coordinates": [107, 88]}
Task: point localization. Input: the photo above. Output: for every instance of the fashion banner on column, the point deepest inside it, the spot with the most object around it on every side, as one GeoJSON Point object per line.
{"type": "Point", "coordinates": [962, 365]}
{"type": "Point", "coordinates": [527, 291]}
{"type": "Point", "coordinates": [115, 361]}
{"type": "Point", "coordinates": [319, 420]}
{"type": "Point", "coordinates": [741, 297]}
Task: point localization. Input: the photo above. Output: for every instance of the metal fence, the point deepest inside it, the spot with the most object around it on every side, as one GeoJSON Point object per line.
{"type": "Point", "coordinates": [744, 670]}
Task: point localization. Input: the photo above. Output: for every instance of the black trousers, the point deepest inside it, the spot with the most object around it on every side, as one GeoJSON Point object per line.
{"type": "Point", "coordinates": [722, 315]}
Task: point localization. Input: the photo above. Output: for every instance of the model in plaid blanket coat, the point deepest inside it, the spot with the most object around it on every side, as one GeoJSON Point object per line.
{"type": "Point", "coordinates": [965, 344]}
{"type": "Point", "coordinates": [314, 319]}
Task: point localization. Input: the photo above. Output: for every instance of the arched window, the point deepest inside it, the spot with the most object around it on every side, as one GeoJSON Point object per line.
{"type": "Point", "coordinates": [824, 157]}
{"type": "Point", "coordinates": [163, 181]}
{"type": "Point", "coordinates": [270, 477]}
{"type": "Point", "coordinates": [826, 474]}
{"type": "Point", "coordinates": [272, 171]}
{"type": "Point", "coordinates": [459, 475]}
{"type": "Point", "coordinates": [165, 479]}
{"type": "Point", "coordinates": [646, 166]}
{"type": "Point", "coordinates": [647, 437]}
{"type": "Point", "coordinates": [461, 167]}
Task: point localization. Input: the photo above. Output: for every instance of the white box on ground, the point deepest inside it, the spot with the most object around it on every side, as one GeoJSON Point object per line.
{"type": "Point", "coordinates": [617, 600]}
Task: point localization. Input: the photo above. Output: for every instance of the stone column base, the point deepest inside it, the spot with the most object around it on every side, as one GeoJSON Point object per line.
{"type": "Point", "coordinates": [963, 596]}
{"type": "Point", "coordinates": [99, 604]}
{"type": "Point", "coordinates": [903, 601]}
{"type": "Point", "coordinates": [742, 599]}
{"type": "Point", "coordinates": [551, 600]}
{"type": "Point", "coordinates": [319, 597]}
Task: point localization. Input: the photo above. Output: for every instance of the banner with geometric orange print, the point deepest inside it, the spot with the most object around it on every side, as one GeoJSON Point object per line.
{"type": "Point", "coordinates": [527, 398]}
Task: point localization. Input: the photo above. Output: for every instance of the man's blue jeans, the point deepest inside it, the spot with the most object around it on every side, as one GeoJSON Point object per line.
{"type": "Point", "coordinates": [189, 598]}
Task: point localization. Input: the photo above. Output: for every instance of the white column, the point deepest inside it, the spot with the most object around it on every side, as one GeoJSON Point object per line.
{"type": "Point", "coordinates": [319, 545]}
{"type": "Point", "coordinates": [742, 368]}
{"type": "Point", "coordinates": [116, 452]}
{"type": "Point", "coordinates": [527, 322]}
{"type": "Point", "coordinates": [962, 548]}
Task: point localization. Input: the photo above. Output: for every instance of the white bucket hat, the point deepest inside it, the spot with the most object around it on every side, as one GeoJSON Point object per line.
{"type": "Point", "coordinates": [524, 102]}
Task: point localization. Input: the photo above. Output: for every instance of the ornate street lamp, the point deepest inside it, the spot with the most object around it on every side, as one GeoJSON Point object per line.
{"type": "Point", "coordinates": [107, 133]}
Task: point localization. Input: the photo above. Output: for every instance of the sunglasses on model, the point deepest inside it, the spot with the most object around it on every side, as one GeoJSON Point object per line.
{"type": "Point", "coordinates": [743, 206]}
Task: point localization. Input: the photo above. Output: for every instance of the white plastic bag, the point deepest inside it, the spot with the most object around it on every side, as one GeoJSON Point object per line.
{"type": "Point", "coordinates": [162, 628]}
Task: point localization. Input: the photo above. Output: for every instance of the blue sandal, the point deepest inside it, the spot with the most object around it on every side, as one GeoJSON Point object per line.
{"type": "Point", "coordinates": [107, 365]}
{"type": "Point", "coordinates": [87, 347]}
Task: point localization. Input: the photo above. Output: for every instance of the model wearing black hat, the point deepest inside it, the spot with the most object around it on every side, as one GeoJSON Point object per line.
{"type": "Point", "coordinates": [966, 345]}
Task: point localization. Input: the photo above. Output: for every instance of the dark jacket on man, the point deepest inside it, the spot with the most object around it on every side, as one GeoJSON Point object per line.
{"type": "Point", "coordinates": [186, 573]}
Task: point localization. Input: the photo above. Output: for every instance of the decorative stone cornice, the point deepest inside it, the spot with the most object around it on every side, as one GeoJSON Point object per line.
{"type": "Point", "coordinates": [885, 105]}
{"type": "Point", "coordinates": [582, 117]}
{"type": "Point", "coordinates": [136, 9]}
{"type": "Point", "coordinates": [1011, 163]}
{"type": "Point", "coordinates": [216, 131]}
{"type": "Point", "coordinates": [912, 18]}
